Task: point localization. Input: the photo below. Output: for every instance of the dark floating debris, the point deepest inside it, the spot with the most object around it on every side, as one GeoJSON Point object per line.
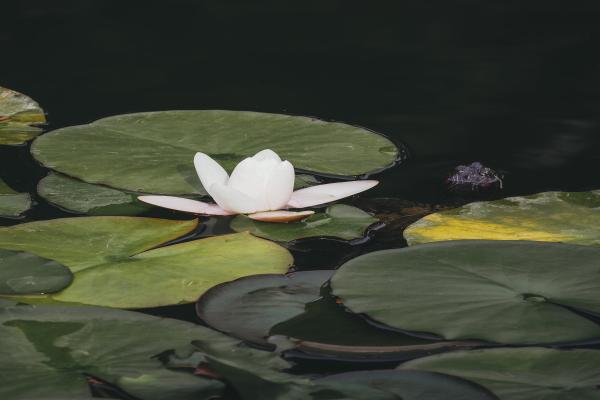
{"type": "Point", "coordinates": [474, 176]}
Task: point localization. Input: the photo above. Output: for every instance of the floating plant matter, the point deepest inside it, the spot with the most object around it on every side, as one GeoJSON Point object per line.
{"type": "Point", "coordinates": [261, 186]}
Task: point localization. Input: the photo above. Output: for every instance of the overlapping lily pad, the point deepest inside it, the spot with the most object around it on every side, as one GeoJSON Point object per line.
{"type": "Point", "coordinates": [260, 308]}
{"type": "Point", "coordinates": [523, 373]}
{"type": "Point", "coordinates": [13, 204]}
{"type": "Point", "coordinates": [26, 273]}
{"type": "Point", "coordinates": [339, 221]}
{"type": "Point", "coordinates": [570, 217]}
{"type": "Point", "coordinates": [115, 264]}
{"type": "Point", "coordinates": [516, 292]}
{"type": "Point", "coordinates": [303, 181]}
{"type": "Point", "coordinates": [405, 385]}
{"type": "Point", "coordinates": [49, 352]}
{"type": "Point", "coordinates": [152, 152]}
{"type": "Point", "coordinates": [248, 307]}
{"type": "Point", "coordinates": [325, 330]}
{"type": "Point", "coordinates": [76, 196]}
{"type": "Point", "coordinates": [18, 116]}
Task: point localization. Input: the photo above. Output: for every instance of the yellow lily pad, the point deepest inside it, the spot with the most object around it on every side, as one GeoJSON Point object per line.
{"type": "Point", "coordinates": [18, 116]}
{"type": "Point", "coordinates": [569, 217]}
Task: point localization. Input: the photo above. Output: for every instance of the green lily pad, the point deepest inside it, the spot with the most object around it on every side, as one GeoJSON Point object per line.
{"type": "Point", "coordinates": [514, 292]}
{"type": "Point", "coordinates": [570, 217]}
{"type": "Point", "coordinates": [340, 221]}
{"type": "Point", "coordinates": [114, 266]}
{"type": "Point", "coordinates": [256, 307]}
{"type": "Point", "coordinates": [303, 181]}
{"type": "Point", "coordinates": [47, 352]}
{"type": "Point", "coordinates": [255, 375]}
{"type": "Point", "coordinates": [523, 373]}
{"type": "Point", "coordinates": [26, 273]}
{"type": "Point", "coordinates": [405, 385]}
{"type": "Point", "coordinates": [153, 152]}
{"type": "Point", "coordinates": [13, 204]}
{"type": "Point", "coordinates": [325, 330]}
{"type": "Point", "coordinates": [76, 196]}
{"type": "Point", "coordinates": [86, 242]}
{"type": "Point", "coordinates": [18, 116]}
{"type": "Point", "coordinates": [248, 307]}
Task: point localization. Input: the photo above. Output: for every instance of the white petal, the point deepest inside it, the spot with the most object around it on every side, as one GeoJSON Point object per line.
{"type": "Point", "coordinates": [185, 205]}
{"type": "Point", "coordinates": [209, 171]}
{"type": "Point", "coordinates": [281, 216]}
{"type": "Point", "coordinates": [321, 194]}
{"type": "Point", "coordinates": [249, 177]}
{"type": "Point", "coordinates": [235, 201]}
{"type": "Point", "coordinates": [266, 154]}
{"type": "Point", "coordinates": [280, 185]}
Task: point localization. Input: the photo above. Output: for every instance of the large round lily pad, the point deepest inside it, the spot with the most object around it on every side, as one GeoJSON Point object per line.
{"type": "Point", "coordinates": [18, 116]}
{"type": "Point", "coordinates": [501, 291]}
{"type": "Point", "coordinates": [152, 152]}
{"type": "Point", "coordinates": [76, 196]}
{"type": "Point", "coordinates": [114, 265]}
{"type": "Point", "coordinates": [13, 204]}
{"type": "Point", "coordinates": [48, 352]}
{"type": "Point", "coordinates": [248, 307]}
{"type": "Point", "coordinates": [405, 385]}
{"type": "Point", "coordinates": [570, 217]}
{"type": "Point", "coordinates": [257, 308]}
{"type": "Point", "coordinates": [340, 221]}
{"type": "Point", "coordinates": [26, 273]}
{"type": "Point", "coordinates": [523, 373]}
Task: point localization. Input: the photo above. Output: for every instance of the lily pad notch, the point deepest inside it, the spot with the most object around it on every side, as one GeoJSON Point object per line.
{"type": "Point", "coordinates": [508, 292]}
{"type": "Point", "coordinates": [118, 261]}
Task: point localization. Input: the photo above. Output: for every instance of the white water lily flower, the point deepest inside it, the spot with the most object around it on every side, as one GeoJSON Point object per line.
{"type": "Point", "coordinates": [261, 186]}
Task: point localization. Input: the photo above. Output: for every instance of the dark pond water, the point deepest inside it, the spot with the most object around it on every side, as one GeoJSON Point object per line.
{"type": "Point", "coordinates": [512, 84]}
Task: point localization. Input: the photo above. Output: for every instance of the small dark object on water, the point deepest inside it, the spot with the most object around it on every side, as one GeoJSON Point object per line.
{"type": "Point", "coordinates": [474, 176]}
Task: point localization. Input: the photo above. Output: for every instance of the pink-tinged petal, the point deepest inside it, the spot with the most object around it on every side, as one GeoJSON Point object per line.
{"type": "Point", "coordinates": [281, 216]}
{"type": "Point", "coordinates": [185, 205]}
{"type": "Point", "coordinates": [266, 154]}
{"type": "Point", "coordinates": [209, 171]}
{"type": "Point", "coordinates": [235, 201]}
{"type": "Point", "coordinates": [280, 185]}
{"type": "Point", "coordinates": [329, 192]}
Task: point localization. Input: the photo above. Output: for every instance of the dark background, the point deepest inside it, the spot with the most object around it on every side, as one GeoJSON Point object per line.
{"type": "Point", "coordinates": [513, 84]}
